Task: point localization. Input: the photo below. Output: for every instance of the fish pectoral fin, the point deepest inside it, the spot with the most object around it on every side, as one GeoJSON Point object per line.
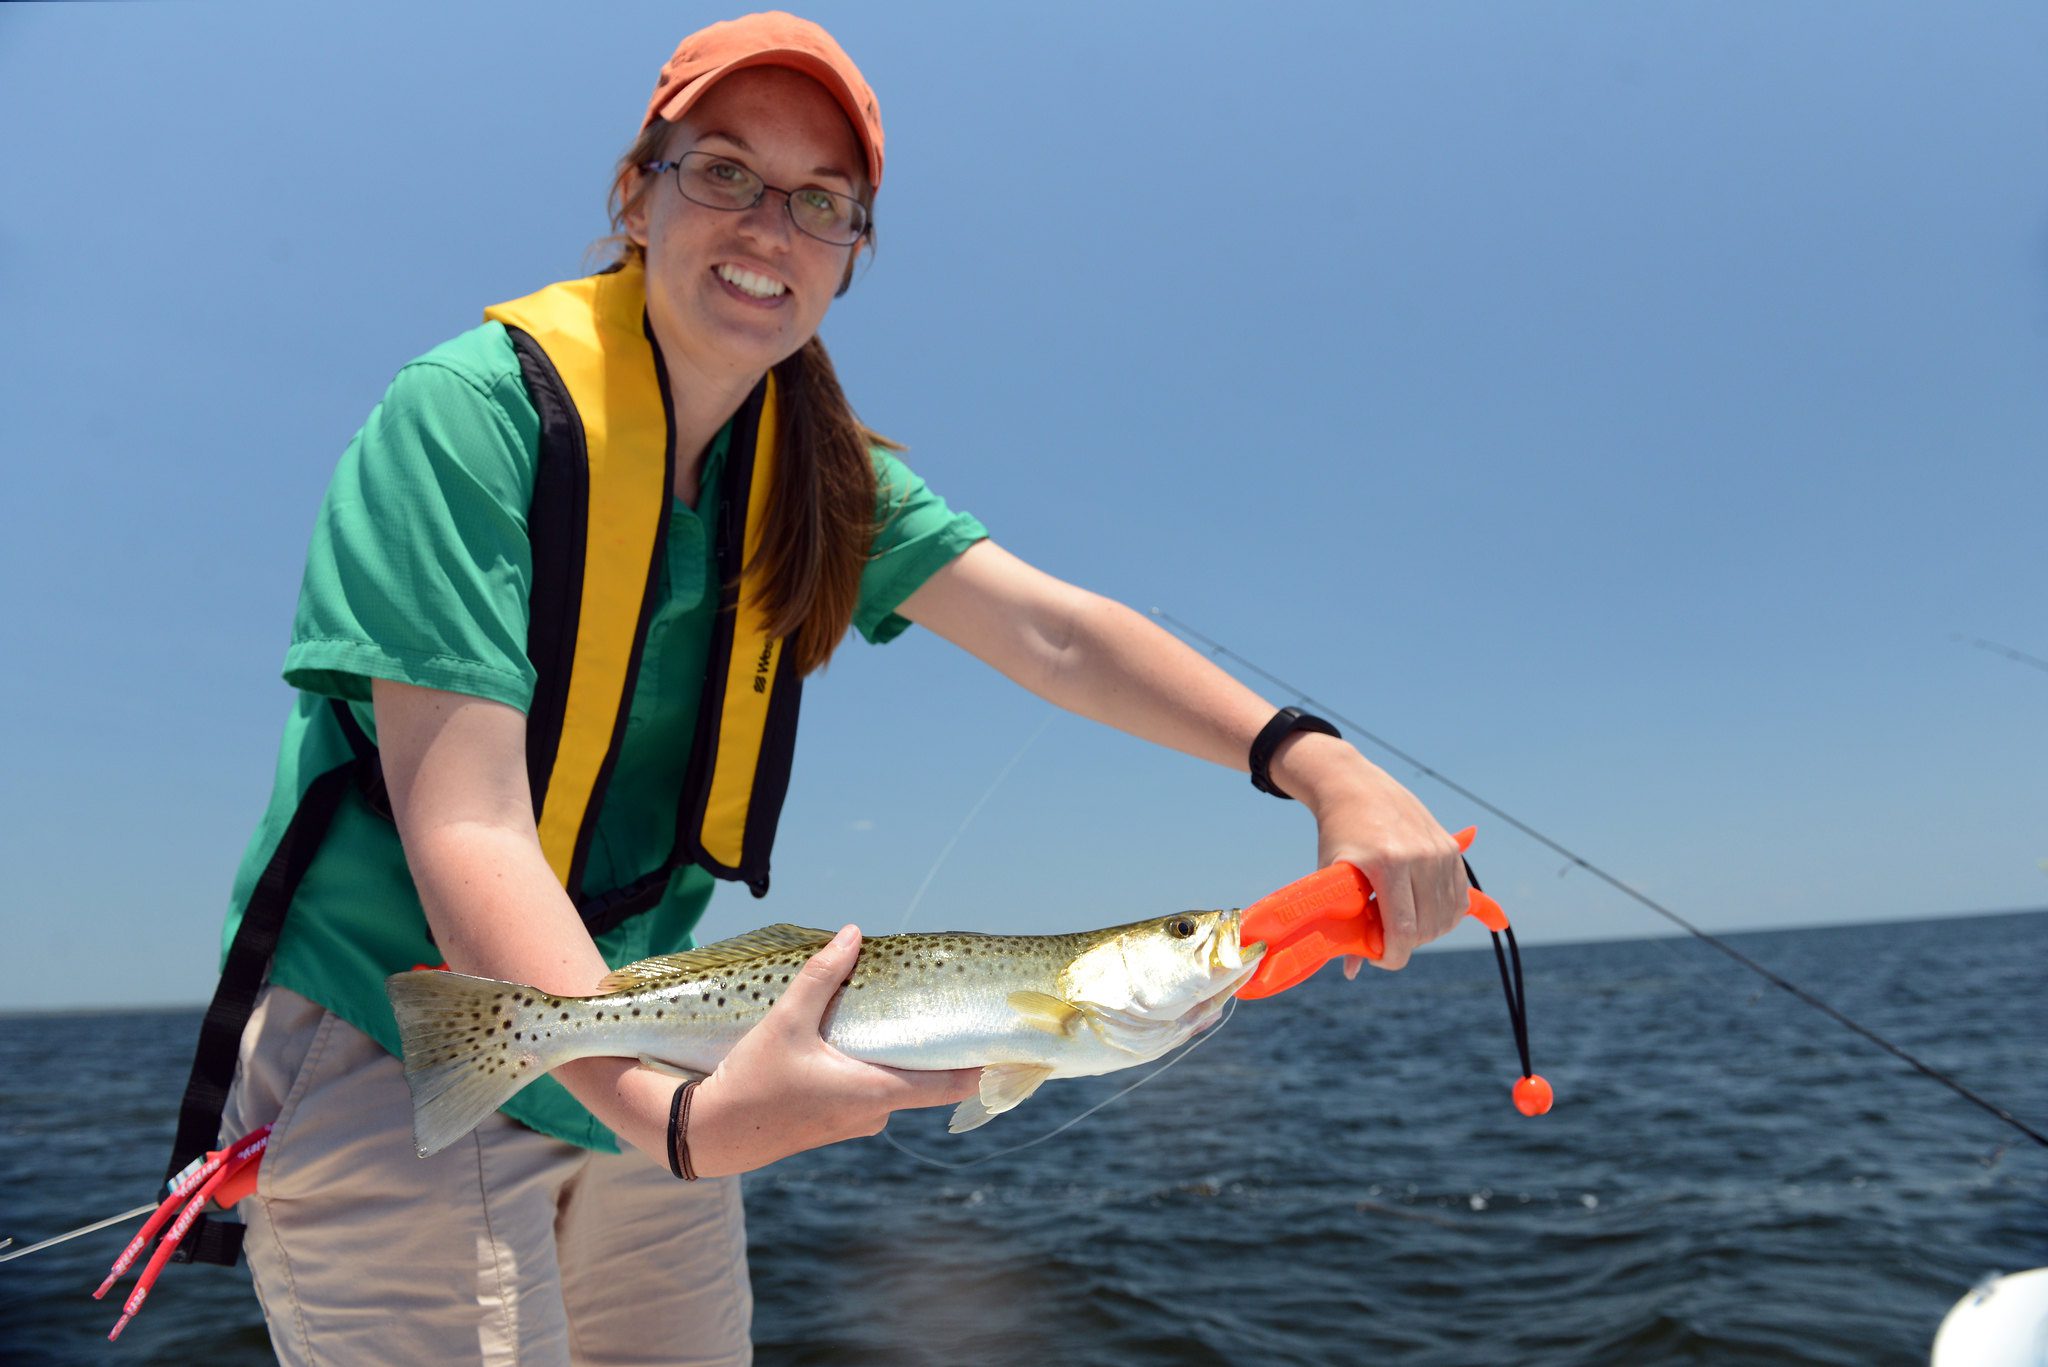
{"type": "Point", "coordinates": [708, 959]}
{"type": "Point", "coordinates": [1003, 1087]}
{"type": "Point", "coordinates": [667, 1069]}
{"type": "Point", "coordinates": [1043, 1011]}
{"type": "Point", "coordinates": [1133, 1033]}
{"type": "Point", "coordinates": [1058, 1016]}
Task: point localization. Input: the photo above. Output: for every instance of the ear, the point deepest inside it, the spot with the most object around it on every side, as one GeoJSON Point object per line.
{"type": "Point", "coordinates": [634, 219]}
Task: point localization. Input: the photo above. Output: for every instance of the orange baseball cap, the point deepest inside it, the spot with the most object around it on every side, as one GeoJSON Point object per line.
{"type": "Point", "coordinates": [711, 54]}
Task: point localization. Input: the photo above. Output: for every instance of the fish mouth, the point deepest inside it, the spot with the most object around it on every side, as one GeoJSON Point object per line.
{"type": "Point", "coordinates": [1231, 960]}
{"type": "Point", "coordinates": [1231, 964]}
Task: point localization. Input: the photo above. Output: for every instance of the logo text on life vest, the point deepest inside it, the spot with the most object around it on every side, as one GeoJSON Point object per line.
{"type": "Point", "coordinates": [762, 666]}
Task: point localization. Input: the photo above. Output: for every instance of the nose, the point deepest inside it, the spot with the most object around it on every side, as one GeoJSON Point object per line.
{"type": "Point", "coordinates": [769, 220]}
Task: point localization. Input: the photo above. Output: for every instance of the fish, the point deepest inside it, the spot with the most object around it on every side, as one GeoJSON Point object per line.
{"type": "Point", "coordinates": [1021, 1008]}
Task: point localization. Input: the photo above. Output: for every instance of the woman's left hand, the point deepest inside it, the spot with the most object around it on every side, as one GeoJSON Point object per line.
{"type": "Point", "coordinates": [1364, 817]}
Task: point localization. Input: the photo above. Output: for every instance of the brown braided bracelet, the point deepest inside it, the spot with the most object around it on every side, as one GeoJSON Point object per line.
{"type": "Point", "coordinates": [679, 1132]}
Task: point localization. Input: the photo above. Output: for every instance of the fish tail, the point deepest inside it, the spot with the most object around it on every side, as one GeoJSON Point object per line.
{"type": "Point", "coordinates": [464, 1049]}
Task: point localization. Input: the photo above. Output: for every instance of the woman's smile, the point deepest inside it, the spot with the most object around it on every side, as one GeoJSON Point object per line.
{"type": "Point", "coordinates": [752, 286]}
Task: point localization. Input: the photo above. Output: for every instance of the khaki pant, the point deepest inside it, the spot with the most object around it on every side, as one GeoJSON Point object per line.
{"type": "Point", "coordinates": [506, 1247]}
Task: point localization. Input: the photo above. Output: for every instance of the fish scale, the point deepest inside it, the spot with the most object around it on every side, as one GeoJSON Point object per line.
{"type": "Point", "coordinates": [1023, 1008]}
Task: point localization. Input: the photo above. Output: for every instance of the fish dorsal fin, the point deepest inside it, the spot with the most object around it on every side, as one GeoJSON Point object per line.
{"type": "Point", "coordinates": [692, 963]}
{"type": "Point", "coordinates": [1003, 1086]}
{"type": "Point", "coordinates": [1043, 1011]}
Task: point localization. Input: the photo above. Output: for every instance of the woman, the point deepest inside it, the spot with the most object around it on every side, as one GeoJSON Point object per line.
{"type": "Point", "coordinates": [535, 722]}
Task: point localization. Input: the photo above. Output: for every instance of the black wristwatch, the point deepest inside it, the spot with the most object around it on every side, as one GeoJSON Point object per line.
{"type": "Point", "coordinates": [1285, 723]}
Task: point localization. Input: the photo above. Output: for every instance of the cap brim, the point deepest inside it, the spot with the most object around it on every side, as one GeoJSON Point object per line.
{"type": "Point", "coordinates": [804, 63]}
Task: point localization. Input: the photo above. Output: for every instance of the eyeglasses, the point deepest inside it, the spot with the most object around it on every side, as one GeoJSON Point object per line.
{"type": "Point", "coordinates": [721, 183]}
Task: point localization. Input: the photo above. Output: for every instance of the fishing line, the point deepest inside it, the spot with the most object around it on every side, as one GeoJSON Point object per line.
{"type": "Point", "coordinates": [1228, 1011]}
{"type": "Point", "coordinates": [1579, 861]}
{"type": "Point", "coordinates": [12, 1253]}
{"type": "Point", "coordinates": [965, 821]}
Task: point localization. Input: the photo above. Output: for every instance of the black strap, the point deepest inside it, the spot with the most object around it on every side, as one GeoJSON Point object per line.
{"type": "Point", "coordinates": [778, 738]}
{"type": "Point", "coordinates": [217, 1243]}
{"type": "Point", "coordinates": [608, 910]}
{"type": "Point", "coordinates": [369, 770]}
{"type": "Point", "coordinates": [220, 1036]}
{"type": "Point", "coordinates": [1510, 982]}
{"type": "Point", "coordinates": [557, 524]}
{"type": "Point", "coordinates": [1285, 723]}
{"type": "Point", "coordinates": [1518, 997]}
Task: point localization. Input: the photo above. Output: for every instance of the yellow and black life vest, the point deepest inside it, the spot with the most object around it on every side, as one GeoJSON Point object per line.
{"type": "Point", "coordinates": [598, 522]}
{"type": "Point", "coordinates": [597, 525]}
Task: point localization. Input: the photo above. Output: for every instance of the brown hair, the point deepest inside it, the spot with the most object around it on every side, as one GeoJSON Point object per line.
{"type": "Point", "coordinates": [821, 515]}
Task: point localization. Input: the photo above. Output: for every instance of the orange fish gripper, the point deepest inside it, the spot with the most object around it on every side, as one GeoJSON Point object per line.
{"type": "Point", "coordinates": [1334, 912]}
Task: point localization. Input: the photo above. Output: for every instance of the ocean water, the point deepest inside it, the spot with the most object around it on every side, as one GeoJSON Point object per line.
{"type": "Point", "coordinates": [1335, 1177]}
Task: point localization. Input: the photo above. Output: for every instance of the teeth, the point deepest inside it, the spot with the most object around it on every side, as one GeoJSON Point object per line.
{"type": "Point", "coordinates": [760, 286]}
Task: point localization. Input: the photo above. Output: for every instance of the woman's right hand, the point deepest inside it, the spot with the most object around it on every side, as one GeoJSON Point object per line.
{"type": "Point", "coordinates": [782, 1089]}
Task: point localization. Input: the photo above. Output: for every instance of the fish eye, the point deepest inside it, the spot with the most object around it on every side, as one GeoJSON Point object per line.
{"type": "Point", "coordinates": [1181, 927]}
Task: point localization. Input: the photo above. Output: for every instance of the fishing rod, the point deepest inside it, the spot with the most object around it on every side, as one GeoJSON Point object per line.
{"type": "Point", "coordinates": [2015, 655]}
{"type": "Point", "coordinates": [10, 1254]}
{"type": "Point", "coordinates": [1216, 647]}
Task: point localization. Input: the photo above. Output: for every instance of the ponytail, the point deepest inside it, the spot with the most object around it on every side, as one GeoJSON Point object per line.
{"type": "Point", "coordinates": [821, 515]}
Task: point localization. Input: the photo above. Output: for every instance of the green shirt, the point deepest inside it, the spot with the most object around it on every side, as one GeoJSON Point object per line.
{"type": "Point", "coordinates": [420, 571]}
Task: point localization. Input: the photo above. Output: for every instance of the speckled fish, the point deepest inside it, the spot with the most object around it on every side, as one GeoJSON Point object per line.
{"type": "Point", "coordinates": [1022, 1008]}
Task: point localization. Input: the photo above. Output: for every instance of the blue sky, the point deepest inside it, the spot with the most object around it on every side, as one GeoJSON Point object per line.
{"type": "Point", "coordinates": [1621, 407]}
